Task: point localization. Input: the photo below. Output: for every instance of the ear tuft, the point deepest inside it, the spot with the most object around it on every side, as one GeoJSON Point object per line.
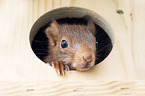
{"type": "Point", "coordinates": [52, 32]}
{"type": "Point", "coordinates": [90, 25]}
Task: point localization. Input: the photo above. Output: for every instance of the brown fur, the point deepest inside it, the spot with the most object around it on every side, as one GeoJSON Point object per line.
{"type": "Point", "coordinates": [80, 53]}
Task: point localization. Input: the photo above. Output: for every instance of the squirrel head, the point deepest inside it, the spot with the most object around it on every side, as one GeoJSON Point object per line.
{"type": "Point", "coordinates": [73, 44]}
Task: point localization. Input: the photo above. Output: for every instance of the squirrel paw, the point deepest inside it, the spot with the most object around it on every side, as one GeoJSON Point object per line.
{"type": "Point", "coordinates": [59, 67]}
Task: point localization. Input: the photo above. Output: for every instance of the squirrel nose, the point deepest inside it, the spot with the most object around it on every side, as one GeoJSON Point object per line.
{"type": "Point", "coordinates": [88, 58]}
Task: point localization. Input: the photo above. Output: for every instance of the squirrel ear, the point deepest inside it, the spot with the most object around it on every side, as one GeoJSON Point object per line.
{"type": "Point", "coordinates": [52, 32]}
{"type": "Point", "coordinates": [91, 25]}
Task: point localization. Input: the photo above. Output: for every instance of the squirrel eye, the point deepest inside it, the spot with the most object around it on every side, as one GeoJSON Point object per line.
{"type": "Point", "coordinates": [64, 44]}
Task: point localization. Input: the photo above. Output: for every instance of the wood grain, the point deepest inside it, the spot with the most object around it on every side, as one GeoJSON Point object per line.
{"type": "Point", "coordinates": [55, 88]}
{"type": "Point", "coordinates": [22, 73]}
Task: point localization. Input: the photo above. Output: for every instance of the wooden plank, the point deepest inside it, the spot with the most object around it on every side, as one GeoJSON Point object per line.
{"type": "Point", "coordinates": [61, 88]}
{"type": "Point", "coordinates": [138, 38]}
{"type": "Point", "coordinates": [22, 73]}
{"type": "Point", "coordinates": [19, 64]}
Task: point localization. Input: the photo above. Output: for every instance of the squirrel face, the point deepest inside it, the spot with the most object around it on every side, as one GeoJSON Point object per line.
{"type": "Point", "coordinates": [74, 45]}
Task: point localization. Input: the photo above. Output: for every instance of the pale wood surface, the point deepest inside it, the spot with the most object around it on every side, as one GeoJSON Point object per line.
{"type": "Point", "coordinates": [19, 63]}
{"type": "Point", "coordinates": [55, 88]}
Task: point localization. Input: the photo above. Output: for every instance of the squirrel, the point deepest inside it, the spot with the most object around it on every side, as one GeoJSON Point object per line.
{"type": "Point", "coordinates": [71, 46]}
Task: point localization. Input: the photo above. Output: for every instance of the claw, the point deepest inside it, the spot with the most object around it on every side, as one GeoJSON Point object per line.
{"type": "Point", "coordinates": [62, 71]}
{"type": "Point", "coordinates": [66, 67]}
{"type": "Point", "coordinates": [52, 64]}
{"type": "Point", "coordinates": [58, 72]}
{"type": "Point", "coordinates": [62, 68]}
{"type": "Point", "coordinates": [59, 67]}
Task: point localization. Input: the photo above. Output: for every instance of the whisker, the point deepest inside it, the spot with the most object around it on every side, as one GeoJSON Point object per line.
{"type": "Point", "coordinates": [98, 58]}
{"type": "Point", "coordinates": [104, 47]}
{"type": "Point", "coordinates": [41, 49]}
{"type": "Point", "coordinates": [100, 54]}
{"type": "Point", "coordinates": [41, 42]}
{"type": "Point", "coordinates": [41, 53]}
{"type": "Point", "coordinates": [104, 41]}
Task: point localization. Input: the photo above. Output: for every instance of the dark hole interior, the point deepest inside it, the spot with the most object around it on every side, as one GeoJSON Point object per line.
{"type": "Point", "coordinates": [104, 46]}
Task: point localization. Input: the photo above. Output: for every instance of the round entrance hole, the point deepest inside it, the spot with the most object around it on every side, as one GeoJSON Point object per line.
{"type": "Point", "coordinates": [71, 15]}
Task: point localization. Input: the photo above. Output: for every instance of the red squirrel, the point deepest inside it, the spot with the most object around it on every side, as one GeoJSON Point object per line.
{"type": "Point", "coordinates": [71, 46]}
